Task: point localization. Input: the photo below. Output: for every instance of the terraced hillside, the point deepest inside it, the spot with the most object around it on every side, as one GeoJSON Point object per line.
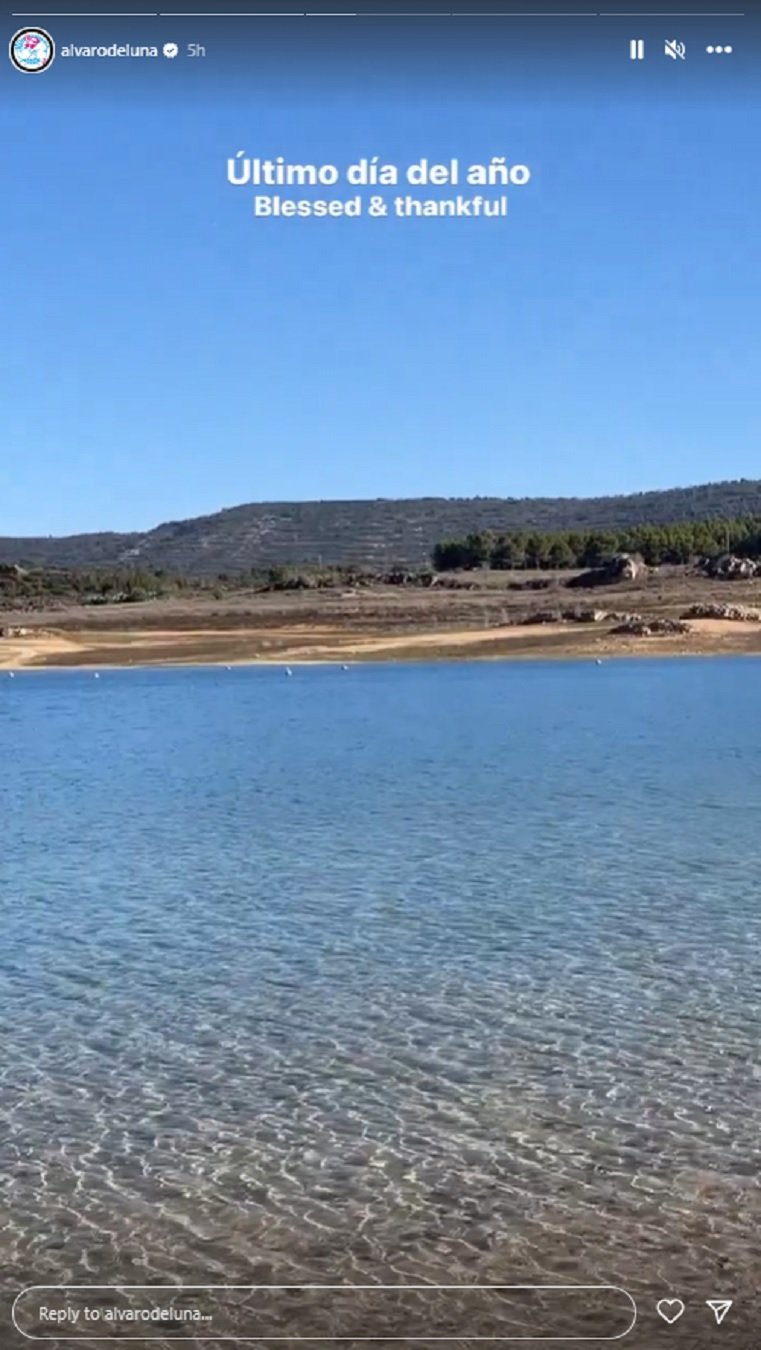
{"type": "Point", "coordinates": [381, 532]}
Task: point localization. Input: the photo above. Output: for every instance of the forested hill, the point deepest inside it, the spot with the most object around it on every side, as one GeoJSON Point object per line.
{"type": "Point", "coordinates": [381, 532]}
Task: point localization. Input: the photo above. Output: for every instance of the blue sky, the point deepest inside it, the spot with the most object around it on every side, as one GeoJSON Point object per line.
{"type": "Point", "coordinates": [167, 355]}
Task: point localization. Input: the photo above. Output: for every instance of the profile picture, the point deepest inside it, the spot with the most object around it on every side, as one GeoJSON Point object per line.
{"type": "Point", "coordinates": [31, 50]}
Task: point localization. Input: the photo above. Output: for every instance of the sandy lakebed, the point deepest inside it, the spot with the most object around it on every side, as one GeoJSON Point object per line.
{"type": "Point", "coordinates": [51, 649]}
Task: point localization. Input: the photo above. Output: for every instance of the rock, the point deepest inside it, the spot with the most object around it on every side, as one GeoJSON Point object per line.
{"type": "Point", "coordinates": [731, 568]}
{"type": "Point", "coordinates": [445, 581]}
{"type": "Point", "coordinates": [740, 613]}
{"type": "Point", "coordinates": [580, 615]}
{"type": "Point", "coordinates": [652, 628]}
{"type": "Point", "coordinates": [543, 616]}
{"type": "Point", "coordinates": [667, 626]}
{"type": "Point", "coordinates": [537, 584]}
{"type": "Point", "coordinates": [622, 567]}
{"type": "Point", "coordinates": [625, 567]}
{"type": "Point", "coordinates": [399, 577]}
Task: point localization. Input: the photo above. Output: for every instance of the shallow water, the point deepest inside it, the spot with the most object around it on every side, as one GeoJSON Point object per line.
{"type": "Point", "coordinates": [400, 974]}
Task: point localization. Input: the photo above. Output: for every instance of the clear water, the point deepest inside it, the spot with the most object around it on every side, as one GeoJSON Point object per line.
{"type": "Point", "coordinates": [400, 973]}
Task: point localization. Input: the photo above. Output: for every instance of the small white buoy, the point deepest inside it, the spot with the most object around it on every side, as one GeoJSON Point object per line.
{"type": "Point", "coordinates": [228, 667]}
{"type": "Point", "coordinates": [96, 676]}
{"type": "Point", "coordinates": [598, 662]}
{"type": "Point", "coordinates": [344, 667]}
{"type": "Point", "coordinates": [11, 675]}
{"type": "Point", "coordinates": [288, 670]}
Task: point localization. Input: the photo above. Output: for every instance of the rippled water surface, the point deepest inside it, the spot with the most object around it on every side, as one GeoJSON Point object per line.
{"type": "Point", "coordinates": [393, 973]}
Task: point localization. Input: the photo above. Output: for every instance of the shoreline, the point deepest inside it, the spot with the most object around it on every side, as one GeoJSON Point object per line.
{"type": "Point", "coordinates": [297, 645]}
{"type": "Point", "coordinates": [539, 659]}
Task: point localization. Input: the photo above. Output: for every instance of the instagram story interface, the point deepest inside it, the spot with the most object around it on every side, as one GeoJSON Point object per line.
{"type": "Point", "coordinates": [380, 722]}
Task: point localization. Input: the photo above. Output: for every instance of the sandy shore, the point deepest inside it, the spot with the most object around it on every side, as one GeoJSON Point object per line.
{"type": "Point", "coordinates": [52, 649]}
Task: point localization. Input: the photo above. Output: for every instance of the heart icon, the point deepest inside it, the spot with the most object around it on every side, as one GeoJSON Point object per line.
{"type": "Point", "coordinates": [670, 1309]}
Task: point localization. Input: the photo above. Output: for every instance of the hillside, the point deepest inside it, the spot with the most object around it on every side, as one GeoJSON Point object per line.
{"type": "Point", "coordinates": [381, 532]}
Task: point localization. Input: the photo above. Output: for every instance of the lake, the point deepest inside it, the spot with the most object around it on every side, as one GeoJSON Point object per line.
{"type": "Point", "coordinates": [401, 973]}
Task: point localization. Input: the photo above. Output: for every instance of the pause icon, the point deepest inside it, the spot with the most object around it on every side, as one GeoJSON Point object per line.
{"type": "Point", "coordinates": [637, 49]}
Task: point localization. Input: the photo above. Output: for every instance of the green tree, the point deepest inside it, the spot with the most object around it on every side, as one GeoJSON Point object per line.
{"type": "Point", "coordinates": [449, 555]}
{"type": "Point", "coordinates": [479, 548]}
{"type": "Point", "coordinates": [509, 552]}
{"type": "Point", "coordinates": [560, 554]}
{"type": "Point", "coordinates": [599, 548]}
